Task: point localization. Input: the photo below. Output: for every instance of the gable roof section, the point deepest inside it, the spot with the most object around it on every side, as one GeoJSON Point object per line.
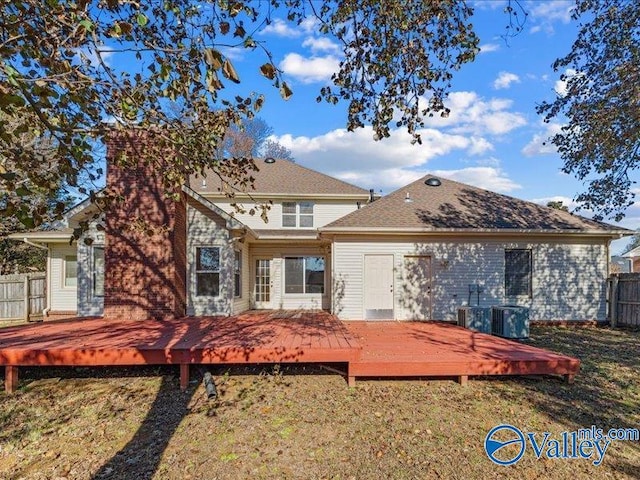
{"type": "Point", "coordinates": [230, 222]}
{"type": "Point", "coordinates": [284, 177]}
{"type": "Point", "coordinates": [454, 206]}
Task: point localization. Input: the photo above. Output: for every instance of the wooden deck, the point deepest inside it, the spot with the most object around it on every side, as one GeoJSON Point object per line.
{"type": "Point", "coordinates": [401, 349]}
{"type": "Point", "coordinates": [376, 349]}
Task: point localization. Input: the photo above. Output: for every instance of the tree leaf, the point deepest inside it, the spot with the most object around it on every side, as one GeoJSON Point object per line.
{"type": "Point", "coordinates": [213, 58]}
{"type": "Point", "coordinates": [268, 71]}
{"type": "Point", "coordinates": [285, 91]}
{"type": "Point", "coordinates": [229, 72]}
{"type": "Point", "coordinates": [142, 19]}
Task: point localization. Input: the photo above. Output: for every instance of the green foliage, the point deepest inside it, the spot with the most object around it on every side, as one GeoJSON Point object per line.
{"type": "Point", "coordinates": [557, 205]}
{"type": "Point", "coordinates": [600, 139]}
{"type": "Point", "coordinates": [56, 80]}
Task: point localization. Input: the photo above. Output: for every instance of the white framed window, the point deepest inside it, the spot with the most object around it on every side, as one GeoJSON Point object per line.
{"type": "Point", "coordinates": [237, 274]}
{"type": "Point", "coordinates": [70, 271]}
{"type": "Point", "coordinates": [297, 214]}
{"type": "Point", "coordinates": [208, 271]}
{"type": "Point", "coordinates": [98, 271]}
{"type": "Point", "coordinates": [518, 272]}
{"type": "Point", "coordinates": [304, 275]}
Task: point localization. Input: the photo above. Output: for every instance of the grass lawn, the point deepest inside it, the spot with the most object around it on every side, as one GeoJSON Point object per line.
{"type": "Point", "coordinates": [286, 423]}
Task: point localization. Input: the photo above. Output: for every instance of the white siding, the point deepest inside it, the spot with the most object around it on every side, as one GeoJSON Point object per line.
{"type": "Point", "coordinates": [62, 298]}
{"type": "Point", "coordinates": [89, 304]}
{"type": "Point", "coordinates": [324, 212]}
{"type": "Point", "coordinates": [280, 300]}
{"type": "Point", "coordinates": [242, 303]}
{"type": "Point", "coordinates": [568, 276]}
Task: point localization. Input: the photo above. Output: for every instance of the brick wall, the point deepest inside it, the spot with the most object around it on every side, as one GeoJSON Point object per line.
{"type": "Point", "coordinates": [145, 237]}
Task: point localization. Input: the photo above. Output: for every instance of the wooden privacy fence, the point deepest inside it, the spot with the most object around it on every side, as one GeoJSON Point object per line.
{"type": "Point", "coordinates": [22, 296]}
{"type": "Point", "coordinates": [623, 299]}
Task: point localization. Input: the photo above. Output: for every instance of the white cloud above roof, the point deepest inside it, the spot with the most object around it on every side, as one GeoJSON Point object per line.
{"type": "Point", "coordinates": [472, 114]}
{"type": "Point", "coordinates": [489, 178]}
{"type": "Point", "coordinates": [541, 144]}
{"type": "Point", "coordinates": [505, 79]}
{"type": "Point", "coordinates": [309, 70]}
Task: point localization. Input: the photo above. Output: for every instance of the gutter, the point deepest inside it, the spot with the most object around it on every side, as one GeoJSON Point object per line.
{"type": "Point", "coordinates": [471, 231]}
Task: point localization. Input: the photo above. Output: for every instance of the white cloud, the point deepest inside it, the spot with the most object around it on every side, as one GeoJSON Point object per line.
{"type": "Point", "coordinates": [471, 114]}
{"type": "Point", "coordinates": [561, 84]}
{"type": "Point", "coordinates": [489, 47]}
{"type": "Point", "coordinates": [541, 144]}
{"type": "Point", "coordinates": [309, 70]}
{"type": "Point", "coordinates": [282, 28]}
{"type": "Point", "coordinates": [505, 79]}
{"type": "Point", "coordinates": [545, 14]}
{"type": "Point", "coordinates": [388, 164]}
{"type": "Point", "coordinates": [91, 55]}
{"type": "Point", "coordinates": [489, 178]}
{"type": "Point", "coordinates": [321, 44]}
{"type": "Point", "coordinates": [479, 146]}
{"type": "Point", "coordinates": [553, 11]}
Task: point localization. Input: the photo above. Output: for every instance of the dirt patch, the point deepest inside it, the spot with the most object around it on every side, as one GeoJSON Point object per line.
{"type": "Point", "coordinates": [304, 422]}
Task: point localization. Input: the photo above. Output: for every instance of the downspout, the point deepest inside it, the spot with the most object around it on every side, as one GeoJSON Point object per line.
{"type": "Point", "coordinates": [33, 244]}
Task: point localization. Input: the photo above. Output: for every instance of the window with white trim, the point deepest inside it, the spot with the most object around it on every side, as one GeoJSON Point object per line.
{"type": "Point", "coordinates": [98, 271]}
{"type": "Point", "coordinates": [297, 214]}
{"type": "Point", "coordinates": [237, 274]}
{"type": "Point", "coordinates": [518, 272]}
{"type": "Point", "coordinates": [207, 271]}
{"type": "Point", "coordinates": [304, 275]}
{"type": "Point", "coordinates": [71, 271]}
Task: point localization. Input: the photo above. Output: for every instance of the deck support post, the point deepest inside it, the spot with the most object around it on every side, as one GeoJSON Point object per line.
{"type": "Point", "coordinates": [569, 378]}
{"type": "Point", "coordinates": [184, 376]}
{"type": "Point", "coordinates": [463, 380]}
{"type": "Point", "coordinates": [10, 378]}
{"type": "Point", "coordinates": [351, 380]}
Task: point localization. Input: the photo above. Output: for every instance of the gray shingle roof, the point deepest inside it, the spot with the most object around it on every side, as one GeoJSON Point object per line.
{"type": "Point", "coordinates": [456, 206]}
{"type": "Point", "coordinates": [285, 177]}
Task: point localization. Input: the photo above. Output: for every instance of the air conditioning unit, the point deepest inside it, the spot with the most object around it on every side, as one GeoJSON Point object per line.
{"type": "Point", "coordinates": [510, 321]}
{"type": "Point", "coordinates": [475, 318]}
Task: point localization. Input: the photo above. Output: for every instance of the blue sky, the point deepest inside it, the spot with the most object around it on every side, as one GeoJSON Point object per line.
{"type": "Point", "coordinates": [493, 137]}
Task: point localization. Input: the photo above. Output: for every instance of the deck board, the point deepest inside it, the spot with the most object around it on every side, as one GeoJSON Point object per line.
{"type": "Point", "coordinates": [395, 349]}
{"type": "Point", "coordinates": [371, 349]}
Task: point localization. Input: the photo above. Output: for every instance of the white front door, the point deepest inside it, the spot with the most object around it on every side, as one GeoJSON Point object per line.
{"type": "Point", "coordinates": [378, 287]}
{"type": "Point", "coordinates": [262, 283]}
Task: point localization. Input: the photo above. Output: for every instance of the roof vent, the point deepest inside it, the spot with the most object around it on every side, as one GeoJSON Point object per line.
{"type": "Point", "coordinates": [433, 182]}
{"type": "Point", "coordinates": [407, 198]}
{"type": "Point", "coordinates": [269, 160]}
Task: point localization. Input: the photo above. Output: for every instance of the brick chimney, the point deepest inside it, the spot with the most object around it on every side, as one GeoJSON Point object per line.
{"type": "Point", "coordinates": [145, 237]}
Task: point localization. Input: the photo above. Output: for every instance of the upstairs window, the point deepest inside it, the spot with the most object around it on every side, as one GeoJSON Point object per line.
{"type": "Point", "coordinates": [208, 271]}
{"type": "Point", "coordinates": [297, 214]}
{"type": "Point", "coordinates": [518, 272]}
